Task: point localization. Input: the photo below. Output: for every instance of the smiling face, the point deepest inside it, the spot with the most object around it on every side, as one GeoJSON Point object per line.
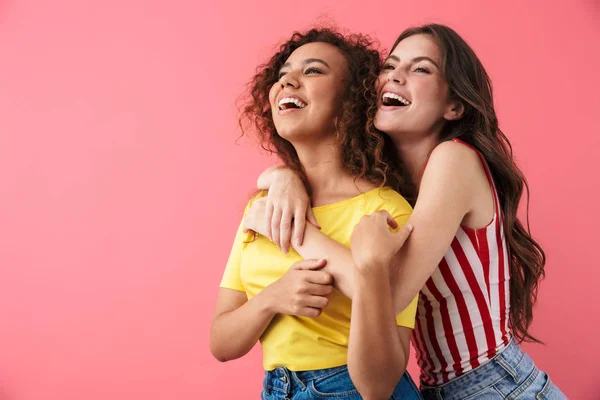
{"type": "Point", "coordinates": [307, 98]}
{"type": "Point", "coordinates": [413, 93]}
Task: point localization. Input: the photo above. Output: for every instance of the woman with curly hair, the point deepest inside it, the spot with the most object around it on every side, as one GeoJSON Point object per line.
{"type": "Point", "coordinates": [309, 105]}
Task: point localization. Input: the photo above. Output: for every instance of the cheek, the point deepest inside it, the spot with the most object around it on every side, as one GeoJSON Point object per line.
{"type": "Point", "coordinates": [332, 97]}
{"type": "Point", "coordinates": [273, 93]}
{"type": "Point", "coordinates": [435, 90]}
{"type": "Point", "coordinates": [325, 101]}
{"type": "Point", "coordinates": [379, 83]}
{"type": "Point", "coordinates": [426, 91]}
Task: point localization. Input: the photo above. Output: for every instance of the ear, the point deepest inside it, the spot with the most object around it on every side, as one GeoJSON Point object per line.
{"type": "Point", "coordinates": [455, 111]}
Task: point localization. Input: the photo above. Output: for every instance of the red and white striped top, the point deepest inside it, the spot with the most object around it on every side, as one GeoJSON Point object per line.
{"type": "Point", "coordinates": [463, 312]}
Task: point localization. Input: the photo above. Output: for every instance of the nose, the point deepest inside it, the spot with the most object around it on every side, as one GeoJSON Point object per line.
{"type": "Point", "coordinates": [397, 76]}
{"type": "Point", "coordinates": [289, 80]}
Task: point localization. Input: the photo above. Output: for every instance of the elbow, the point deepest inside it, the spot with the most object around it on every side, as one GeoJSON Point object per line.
{"type": "Point", "coordinates": [218, 353]}
{"type": "Point", "coordinates": [376, 392]}
{"type": "Point", "coordinates": [224, 352]}
{"type": "Point", "coordinates": [219, 357]}
{"type": "Point", "coordinates": [376, 386]}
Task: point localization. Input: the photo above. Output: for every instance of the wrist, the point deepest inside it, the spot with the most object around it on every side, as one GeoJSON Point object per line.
{"type": "Point", "coordinates": [366, 274]}
{"type": "Point", "coordinates": [265, 302]}
{"type": "Point", "coordinates": [266, 178]}
{"type": "Point", "coordinates": [372, 267]}
{"type": "Point", "coordinates": [283, 172]}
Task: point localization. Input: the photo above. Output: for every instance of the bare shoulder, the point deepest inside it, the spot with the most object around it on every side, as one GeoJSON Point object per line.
{"type": "Point", "coordinates": [454, 171]}
{"type": "Point", "coordinates": [455, 153]}
{"type": "Point", "coordinates": [456, 161]}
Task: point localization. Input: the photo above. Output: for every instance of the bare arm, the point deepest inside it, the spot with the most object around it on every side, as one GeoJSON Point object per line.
{"type": "Point", "coordinates": [379, 349]}
{"type": "Point", "coordinates": [339, 258]}
{"type": "Point", "coordinates": [448, 189]}
{"type": "Point", "coordinates": [238, 323]}
{"type": "Point", "coordinates": [445, 198]}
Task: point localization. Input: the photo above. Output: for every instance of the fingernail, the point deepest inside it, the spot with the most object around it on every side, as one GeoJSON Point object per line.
{"type": "Point", "coordinates": [409, 227]}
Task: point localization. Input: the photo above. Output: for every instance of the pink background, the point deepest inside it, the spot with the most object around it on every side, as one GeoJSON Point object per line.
{"type": "Point", "coordinates": [121, 184]}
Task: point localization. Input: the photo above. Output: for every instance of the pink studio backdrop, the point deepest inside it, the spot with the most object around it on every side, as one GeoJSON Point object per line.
{"type": "Point", "coordinates": [121, 184]}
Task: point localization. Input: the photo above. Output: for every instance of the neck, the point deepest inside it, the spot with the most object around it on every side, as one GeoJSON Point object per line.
{"type": "Point", "coordinates": [327, 178]}
{"type": "Point", "coordinates": [415, 154]}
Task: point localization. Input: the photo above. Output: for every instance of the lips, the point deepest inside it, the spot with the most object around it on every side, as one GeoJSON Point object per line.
{"type": "Point", "coordinates": [393, 98]}
{"type": "Point", "coordinates": [289, 101]}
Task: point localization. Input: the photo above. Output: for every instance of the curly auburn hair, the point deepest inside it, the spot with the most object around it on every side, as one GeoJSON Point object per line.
{"type": "Point", "coordinates": [365, 152]}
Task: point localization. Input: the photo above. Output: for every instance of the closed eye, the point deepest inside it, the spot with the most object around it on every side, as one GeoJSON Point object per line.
{"type": "Point", "coordinates": [281, 74]}
{"type": "Point", "coordinates": [313, 70]}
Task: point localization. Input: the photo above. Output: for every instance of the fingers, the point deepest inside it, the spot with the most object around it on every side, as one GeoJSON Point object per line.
{"type": "Point", "coordinates": [275, 223]}
{"type": "Point", "coordinates": [392, 223]}
{"type": "Point", "coordinates": [316, 301]}
{"type": "Point", "coordinates": [312, 306]}
{"type": "Point", "coordinates": [319, 277]}
{"type": "Point", "coordinates": [318, 290]}
{"type": "Point", "coordinates": [403, 234]}
{"type": "Point", "coordinates": [309, 312]}
{"type": "Point", "coordinates": [299, 225]}
{"type": "Point", "coordinates": [285, 232]}
{"type": "Point", "coordinates": [311, 217]}
{"type": "Point", "coordinates": [310, 264]}
{"type": "Point", "coordinates": [269, 217]}
{"type": "Point", "coordinates": [383, 214]}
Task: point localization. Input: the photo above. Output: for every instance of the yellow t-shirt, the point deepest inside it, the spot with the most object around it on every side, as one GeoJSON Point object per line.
{"type": "Point", "coordinates": [302, 343]}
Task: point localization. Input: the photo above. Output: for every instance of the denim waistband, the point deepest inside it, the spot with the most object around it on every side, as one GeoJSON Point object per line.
{"type": "Point", "coordinates": [283, 372]}
{"type": "Point", "coordinates": [282, 379]}
{"type": "Point", "coordinates": [510, 361]}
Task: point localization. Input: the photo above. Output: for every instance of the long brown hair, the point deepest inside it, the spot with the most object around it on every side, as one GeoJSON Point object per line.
{"type": "Point", "coordinates": [364, 151]}
{"type": "Point", "coordinates": [469, 83]}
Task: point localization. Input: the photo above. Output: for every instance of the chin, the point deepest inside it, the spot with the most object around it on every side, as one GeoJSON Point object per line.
{"type": "Point", "coordinates": [392, 130]}
{"type": "Point", "coordinates": [290, 135]}
{"type": "Point", "coordinates": [385, 124]}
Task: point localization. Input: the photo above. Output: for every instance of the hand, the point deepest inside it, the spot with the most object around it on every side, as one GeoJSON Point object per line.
{"type": "Point", "coordinates": [374, 245]}
{"type": "Point", "coordinates": [288, 206]}
{"type": "Point", "coordinates": [302, 291]}
{"type": "Point", "coordinates": [255, 217]}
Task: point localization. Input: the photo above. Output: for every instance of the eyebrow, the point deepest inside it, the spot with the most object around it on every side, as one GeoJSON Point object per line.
{"type": "Point", "coordinates": [415, 60]}
{"type": "Point", "coordinates": [308, 61]}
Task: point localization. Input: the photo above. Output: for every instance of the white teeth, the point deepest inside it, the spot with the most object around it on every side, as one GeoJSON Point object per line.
{"type": "Point", "coordinates": [286, 100]}
{"type": "Point", "coordinates": [397, 97]}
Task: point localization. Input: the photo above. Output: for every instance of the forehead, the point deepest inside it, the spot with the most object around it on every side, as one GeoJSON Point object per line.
{"type": "Point", "coordinates": [319, 50]}
{"type": "Point", "coordinates": [418, 46]}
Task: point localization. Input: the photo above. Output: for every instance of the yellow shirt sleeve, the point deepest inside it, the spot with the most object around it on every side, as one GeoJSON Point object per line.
{"type": "Point", "coordinates": [407, 316]}
{"type": "Point", "coordinates": [231, 277]}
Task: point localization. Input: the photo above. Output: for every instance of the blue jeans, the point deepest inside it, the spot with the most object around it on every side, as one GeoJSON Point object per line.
{"type": "Point", "coordinates": [330, 383]}
{"type": "Point", "coordinates": [510, 375]}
